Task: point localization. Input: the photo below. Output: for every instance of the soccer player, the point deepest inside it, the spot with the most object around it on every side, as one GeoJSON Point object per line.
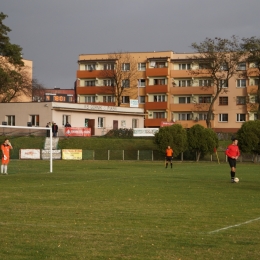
{"type": "Point", "coordinates": [233, 153]}
{"type": "Point", "coordinates": [168, 156]}
{"type": "Point", "coordinates": [5, 149]}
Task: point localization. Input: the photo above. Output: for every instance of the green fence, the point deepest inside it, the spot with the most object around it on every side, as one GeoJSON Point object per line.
{"type": "Point", "coordinates": [147, 155]}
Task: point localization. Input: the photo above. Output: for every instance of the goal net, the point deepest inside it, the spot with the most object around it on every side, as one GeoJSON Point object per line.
{"type": "Point", "coordinates": [17, 136]}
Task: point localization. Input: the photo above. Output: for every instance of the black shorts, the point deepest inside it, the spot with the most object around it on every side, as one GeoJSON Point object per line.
{"type": "Point", "coordinates": [168, 158]}
{"type": "Point", "coordinates": [232, 162]}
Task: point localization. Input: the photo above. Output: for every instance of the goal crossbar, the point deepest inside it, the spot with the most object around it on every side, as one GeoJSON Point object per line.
{"type": "Point", "coordinates": [36, 128]}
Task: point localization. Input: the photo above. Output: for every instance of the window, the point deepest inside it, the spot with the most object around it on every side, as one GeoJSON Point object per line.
{"type": "Point", "coordinates": [108, 99]}
{"type": "Point", "coordinates": [223, 83]}
{"type": "Point", "coordinates": [90, 83]}
{"type": "Point", "coordinates": [10, 120]}
{"type": "Point", "coordinates": [223, 101]}
{"type": "Point", "coordinates": [158, 114]}
{"type": "Point", "coordinates": [241, 117]}
{"type": "Point", "coordinates": [134, 123]}
{"type": "Point", "coordinates": [101, 122]}
{"type": "Point", "coordinates": [125, 66]}
{"type": "Point", "coordinates": [34, 119]}
{"type": "Point", "coordinates": [141, 99]}
{"type": "Point", "coordinates": [184, 83]}
{"type": "Point", "coordinates": [184, 100]}
{"type": "Point", "coordinates": [224, 66]}
{"type": "Point", "coordinates": [159, 98]}
{"type": "Point", "coordinates": [205, 99]}
{"type": "Point", "coordinates": [241, 66]}
{"type": "Point", "coordinates": [203, 116]}
{"type": "Point", "coordinates": [185, 116]}
{"type": "Point", "coordinates": [255, 116]}
{"type": "Point", "coordinates": [108, 82]}
{"type": "Point", "coordinates": [160, 65]}
{"type": "Point", "coordinates": [159, 82]}
{"type": "Point", "coordinates": [125, 83]}
{"type": "Point", "coordinates": [184, 66]}
{"type": "Point", "coordinates": [204, 66]}
{"type": "Point", "coordinates": [125, 99]}
{"type": "Point", "coordinates": [141, 83]}
{"type": "Point", "coordinates": [223, 117]}
{"type": "Point", "coordinates": [255, 82]}
{"type": "Point", "coordinates": [108, 66]}
{"type": "Point", "coordinates": [65, 119]}
{"type": "Point", "coordinates": [241, 100]}
{"type": "Point", "coordinates": [241, 83]}
{"type": "Point", "coordinates": [90, 99]}
{"type": "Point", "coordinates": [204, 82]}
{"type": "Point", "coordinates": [90, 67]}
{"type": "Point", "coordinates": [141, 66]}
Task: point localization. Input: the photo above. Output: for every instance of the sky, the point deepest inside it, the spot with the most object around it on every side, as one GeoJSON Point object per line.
{"type": "Point", "coordinates": [53, 33]}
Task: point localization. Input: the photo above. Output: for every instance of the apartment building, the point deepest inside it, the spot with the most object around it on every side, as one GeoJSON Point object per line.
{"type": "Point", "coordinates": [167, 90]}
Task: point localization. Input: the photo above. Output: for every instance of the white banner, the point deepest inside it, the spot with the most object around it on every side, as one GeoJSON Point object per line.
{"type": "Point", "coordinates": [145, 131]}
{"type": "Point", "coordinates": [34, 154]}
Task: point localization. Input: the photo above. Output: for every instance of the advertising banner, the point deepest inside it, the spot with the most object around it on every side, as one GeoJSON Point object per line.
{"type": "Point", "coordinates": [56, 154]}
{"type": "Point", "coordinates": [144, 131]}
{"type": "Point", "coordinates": [166, 124]}
{"type": "Point", "coordinates": [72, 154]}
{"type": "Point", "coordinates": [77, 131]}
{"type": "Point", "coordinates": [34, 154]}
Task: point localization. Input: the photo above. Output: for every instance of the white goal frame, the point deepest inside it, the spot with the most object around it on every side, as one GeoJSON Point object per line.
{"type": "Point", "coordinates": [36, 128]}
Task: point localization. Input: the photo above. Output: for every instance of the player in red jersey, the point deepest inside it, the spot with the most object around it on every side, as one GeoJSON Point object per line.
{"type": "Point", "coordinates": [233, 153]}
{"type": "Point", "coordinates": [5, 149]}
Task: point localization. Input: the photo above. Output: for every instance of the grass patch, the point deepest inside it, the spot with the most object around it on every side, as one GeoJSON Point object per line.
{"type": "Point", "coordinates": [129, 210]}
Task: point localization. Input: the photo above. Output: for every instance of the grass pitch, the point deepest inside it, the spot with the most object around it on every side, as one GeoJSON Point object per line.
{"type": "Point", "coordinates": [129, 210]}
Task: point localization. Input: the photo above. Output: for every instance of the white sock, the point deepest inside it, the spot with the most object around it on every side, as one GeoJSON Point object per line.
{"type": "Point", "coordinates": [2, 168]}
{"type": "Point", "coordinates": [5, 168]}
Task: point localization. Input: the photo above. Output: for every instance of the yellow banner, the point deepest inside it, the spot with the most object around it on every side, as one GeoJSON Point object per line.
{"type": "Point", "coordinates": [72, 154]}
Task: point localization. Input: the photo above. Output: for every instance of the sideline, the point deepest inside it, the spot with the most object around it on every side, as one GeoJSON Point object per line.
{"type": "Point", "coordinates": [237, 225]}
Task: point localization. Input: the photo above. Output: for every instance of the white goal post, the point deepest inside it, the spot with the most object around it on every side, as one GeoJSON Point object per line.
{"type": "Point", "coordinates": [36, 128]}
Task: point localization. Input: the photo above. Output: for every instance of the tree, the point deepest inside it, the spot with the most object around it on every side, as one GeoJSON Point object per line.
{"type": "Point", "coordinates": [123, 75]}
{"type": "Point", "coordinates": [219, 59]}
{"type": "Point", "coordinates": [175, 136]}
{"type": "Point", "coordinates": [252, 48]}
{"type": "Point", "coordinates": [12, 52]}
{"type": "Point", "coordinates": [249, 137]}
{"type": "Point", "coordinates": [202, 140]}
{"type": "Point", "coordinates": [14, 79]}
{"type": "Point", "coordinates": [38, 91]}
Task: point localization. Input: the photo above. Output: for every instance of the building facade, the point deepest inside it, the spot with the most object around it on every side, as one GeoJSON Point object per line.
{"type": "Point", "coordinates": [100, 119]}
{"type": "Point", "coordinates": [167, 90]}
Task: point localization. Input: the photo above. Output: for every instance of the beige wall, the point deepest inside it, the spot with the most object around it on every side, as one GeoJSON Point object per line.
{"type": "Point", "coordinates": [54, 112]}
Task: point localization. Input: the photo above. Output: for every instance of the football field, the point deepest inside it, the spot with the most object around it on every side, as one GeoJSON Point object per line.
{"type": "Point", "coordinates": [129, 210]}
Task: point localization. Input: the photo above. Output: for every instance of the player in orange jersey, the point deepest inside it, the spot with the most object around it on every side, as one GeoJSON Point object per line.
{"type": "Point", "coordinates": [5, 149]}
{"type": "Point", "coordinates": [168, 156]}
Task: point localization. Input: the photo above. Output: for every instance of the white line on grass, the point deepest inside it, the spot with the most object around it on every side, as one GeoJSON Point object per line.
{"type": "Point", "coordinates": [237, 225]}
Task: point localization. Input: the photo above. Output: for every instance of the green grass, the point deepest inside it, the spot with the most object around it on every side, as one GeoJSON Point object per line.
{"type": "Point", "coordinates": [128, 210]}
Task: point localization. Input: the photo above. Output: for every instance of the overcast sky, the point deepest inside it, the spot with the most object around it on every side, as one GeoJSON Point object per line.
{"type": "Point", "coordinates": [53, 33]}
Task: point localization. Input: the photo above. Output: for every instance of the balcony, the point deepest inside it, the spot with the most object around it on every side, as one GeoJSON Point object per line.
{"type": "Point", "coordinates": [154, 122]}
{"type": "Point", "coordinates": [155, 105]}
{"type": "Point", "coordinates": [86, 74]}
{"type": "Point", "coordinates": [252, 107]}
{"type": "Point", "coordinates": [190, 107]}
{"type": "Point", "coordinates": [192, 90]}
{"type": "Point", "coordinates": [190, 123]}
{"type": "Point", "coordinates": [94, 90]}
{"type": "Point", "coordinates": [156, 89]}
{"type": "Point", "coordinates": [251, 89]}
{"type": "Point", "coordinates": [252, 72]}
{"type": "Point", "coordinates": [157, 72]}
